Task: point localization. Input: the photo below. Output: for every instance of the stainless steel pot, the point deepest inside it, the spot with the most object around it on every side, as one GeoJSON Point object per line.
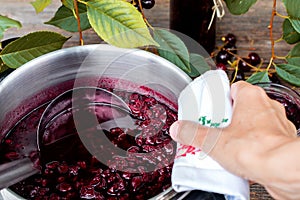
{"type": "Point", "coordinates": [77, 63]}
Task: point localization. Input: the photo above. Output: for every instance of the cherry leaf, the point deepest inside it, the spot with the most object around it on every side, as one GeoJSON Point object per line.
{"type": "Point", "coordinates": [119, 23]}
{"type": "Point", "coordinates": [259, 77]}
{"type": "Point", "coordinates": [40, 5]}
{"type": "Point", "coordinates": [173, 49]}
{"type": "Point", "coordinates": [64, 18]}
{"type": "Point", "coordinates": [69, 4]}
{"type": "Point", "coordinates": [238, 7]}
{"type": "Point", "coordinates": [292, 8]}
{"type": "Point", "coordinates": [6, 23]}
{"type": "Point", "coordinates": [198, 65]}
{"type": "Point", "coordinates": [290, 35]}
{"type": "Point", "coordinates": [289, 73]}
{"type": "Point", "coordinates": [4, 71]}
{"type": "Point", "coordinates": [293, 56]}
{"type": "Point", "coordinates": [295, 23]}
{"type": "Point", "coordinates": [31, 46]}
{"type": "Point", "coordinates": [3, 67]}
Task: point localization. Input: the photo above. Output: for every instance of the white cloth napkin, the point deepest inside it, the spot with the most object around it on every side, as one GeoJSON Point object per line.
{"type": "Point", "coordinates": [206, 100]}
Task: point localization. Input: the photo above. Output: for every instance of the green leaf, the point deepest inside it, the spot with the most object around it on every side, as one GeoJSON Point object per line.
{"type": "Point", "coordinates": [119, 23]}
{"type": "Point", "coordinates": [290, 35]}
{"type": "Point", "coordinates": [259, 77]}
{"type": "Point", "coordinates": [238, 7]}
{"type": "Point", "coordinates": [40, 5]}
{"type": "Point", "coordinates": [292, 8]}
{"type": "Point", "coordinates": [69, 4]}
{"type": "Point", "coordinates": [65, 19]}
{"type": "Point", "coordinates": [198, 65]}
{"type": "Point", "coordinates": [172, 48]}
{"type": "Point", "coordinates": [289, 73]}
{"type": "Point", "coordinates": [6, 23]}
{"type": "Point", "coordinates": [293, 56]}
{"type": "Point", "coordinates": [3, 66]}
{"type": "Point", "coordinates": [295, 23]}
{"type": "Point", "coordinates": [31, 46]}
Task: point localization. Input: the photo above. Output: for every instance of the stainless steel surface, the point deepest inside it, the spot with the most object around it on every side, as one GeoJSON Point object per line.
{"type": "Point", "coordinates": [143, 68]}
{"type": "Point", "coordinates": [134, 65]}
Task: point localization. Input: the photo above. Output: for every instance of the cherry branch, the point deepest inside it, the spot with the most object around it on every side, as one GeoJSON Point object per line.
{"type": "Point", "coordinates": [78, 22]}
{"type": "Point", "coordinates": [274, 13]}
{"type": "Point", "coordinates": [143, 14]}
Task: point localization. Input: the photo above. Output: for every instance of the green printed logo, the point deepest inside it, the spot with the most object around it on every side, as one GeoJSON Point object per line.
{"type": "Point", "coordinates": [208, 122]}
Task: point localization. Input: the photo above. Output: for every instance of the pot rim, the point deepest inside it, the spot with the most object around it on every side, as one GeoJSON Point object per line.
{"type": "Point", "coordinates": [9, 194]}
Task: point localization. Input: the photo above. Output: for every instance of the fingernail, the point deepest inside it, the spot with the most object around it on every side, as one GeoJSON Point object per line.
{"type": "Point", "coordinates": [174, 130]}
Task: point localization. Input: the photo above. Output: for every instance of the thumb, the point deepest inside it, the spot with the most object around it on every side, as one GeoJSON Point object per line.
{"type": "Point", "coordinates": [193, 134]}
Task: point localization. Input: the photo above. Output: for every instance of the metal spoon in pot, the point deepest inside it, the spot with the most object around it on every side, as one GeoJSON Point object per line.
{"type": "Point", "coordinates": [83, 107]}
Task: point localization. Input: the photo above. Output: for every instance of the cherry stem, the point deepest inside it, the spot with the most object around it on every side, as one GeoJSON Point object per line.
{"type": "Point", "coordinates": [271, 31]}
{"type": "Point", "coordinates": [143, 14]}
{"type": "Point", "coordinates": [78, 22]}
{"type": "Point", "coordinates": [270, 63]}
{"type": "Point", "coordinates": [241, 59]}
{"type": "Point", "coordinates": [235, 74]}
{"type": "Point", "coordinates": [281, 57]}
{"type": "Point", "coordinates": [282, 16]}
{"type": "Point", "coordinates": [278, 40]}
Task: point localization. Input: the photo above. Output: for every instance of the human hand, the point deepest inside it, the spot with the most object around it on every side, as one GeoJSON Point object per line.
{"type": "Point", "coordinates": [260, 144]}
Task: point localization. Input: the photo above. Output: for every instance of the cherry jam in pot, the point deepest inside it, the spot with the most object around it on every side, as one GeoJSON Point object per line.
{"type": "Point", "coordinates": [79, 175]}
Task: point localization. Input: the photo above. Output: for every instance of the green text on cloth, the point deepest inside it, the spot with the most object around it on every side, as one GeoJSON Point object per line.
{"type": "Point", "coordinates": [208, 122]}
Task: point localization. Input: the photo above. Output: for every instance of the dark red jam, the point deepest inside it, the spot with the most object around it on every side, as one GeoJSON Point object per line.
{"type": "Point", "coordinates": [141, 172]}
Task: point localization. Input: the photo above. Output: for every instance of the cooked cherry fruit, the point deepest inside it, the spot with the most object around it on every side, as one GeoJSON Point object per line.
{"type": "Point", "coordinates": [82, 176]}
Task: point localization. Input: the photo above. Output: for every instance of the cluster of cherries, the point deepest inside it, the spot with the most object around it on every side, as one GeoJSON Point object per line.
{"type": "Point", "coordinates": [227, 57]}
{"type": "Point", "coordinates": [146, 4]}
{"type": "Point", "coordinates": [228, 54]}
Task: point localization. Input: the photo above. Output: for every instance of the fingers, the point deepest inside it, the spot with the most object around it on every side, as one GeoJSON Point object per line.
{"type": "Point", "coordinates": [278, 107]}
{"type": "Point", "coordinates": [236, 88]}
{"type": "Point", "coordinates": [186, 132]}
{"type": "Point", "coordinates": [291, 129]}
{"type": "Point", "coordinates": [281, 193]}
{"type": "Point", "coordinates": [243, 92]}
{"type": "Point", "coordinates": [192, 133]}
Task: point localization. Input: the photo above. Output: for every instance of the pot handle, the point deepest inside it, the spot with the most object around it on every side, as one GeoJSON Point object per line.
{"type": "Point", "coordinates": [172, 194]}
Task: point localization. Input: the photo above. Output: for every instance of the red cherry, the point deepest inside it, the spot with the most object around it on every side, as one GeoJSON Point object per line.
{"type": "Point", "coordinates": [254, 58]}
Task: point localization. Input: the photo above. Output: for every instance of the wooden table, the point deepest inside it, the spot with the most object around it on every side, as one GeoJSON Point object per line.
{"type": "Point", "coordinates": [251, 30]}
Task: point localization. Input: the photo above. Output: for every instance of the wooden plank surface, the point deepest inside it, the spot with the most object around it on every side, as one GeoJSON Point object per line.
{"type": "Point", "coordinates": [251, 30]}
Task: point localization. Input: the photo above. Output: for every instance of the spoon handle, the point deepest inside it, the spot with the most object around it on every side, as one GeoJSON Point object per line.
{"type": "Point", "coordinates": [16, 171]}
